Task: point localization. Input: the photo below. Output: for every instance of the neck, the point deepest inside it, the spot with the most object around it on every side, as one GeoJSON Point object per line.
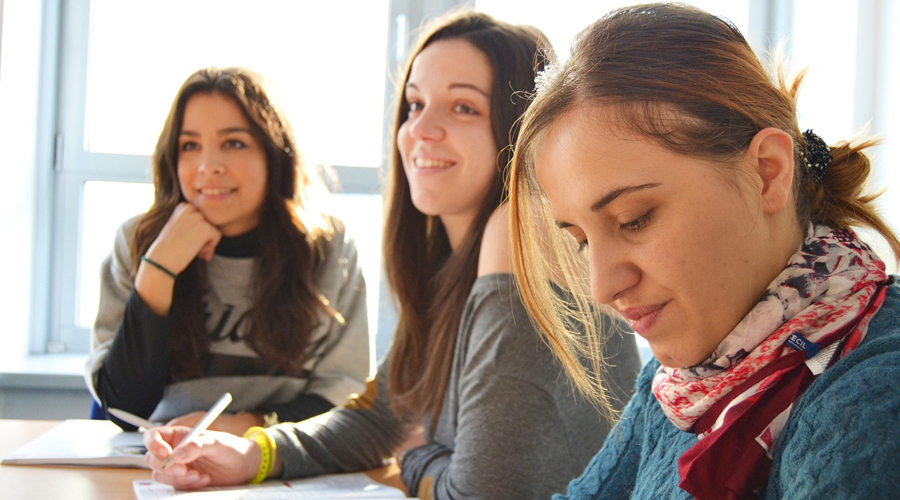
{"type": "Point", "coordinates": [786, 245]}
{"type": "Point", "coordinates": [457, 227]}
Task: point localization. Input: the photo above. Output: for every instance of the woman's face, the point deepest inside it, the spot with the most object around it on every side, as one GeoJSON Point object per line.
{"type": "Point", "coordinates": [446, 143]}
{"type": "Point", "coordinates": [221, 165]}
{"type": "Point", "coordinates": [676, 245]}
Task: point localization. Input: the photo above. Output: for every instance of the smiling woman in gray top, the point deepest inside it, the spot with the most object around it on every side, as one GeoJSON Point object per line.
{"type": "Point", "coordinates": [232, 280]}
{"type": "Point", "coordinates": [469, 400]}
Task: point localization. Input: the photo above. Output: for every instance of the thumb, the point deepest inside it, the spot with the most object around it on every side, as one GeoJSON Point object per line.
{"type": "Point", "coordinates": [209, 248]}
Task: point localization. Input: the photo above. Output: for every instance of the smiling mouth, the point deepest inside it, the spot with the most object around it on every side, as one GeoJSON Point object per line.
{"type": "Point", "coordinates": [216, 191]}
{"type": "Point", "coordinates": [431, 163]}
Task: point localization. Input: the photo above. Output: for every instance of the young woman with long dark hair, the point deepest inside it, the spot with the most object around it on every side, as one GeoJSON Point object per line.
{"type": "Point", "coordinates": [232, 281]}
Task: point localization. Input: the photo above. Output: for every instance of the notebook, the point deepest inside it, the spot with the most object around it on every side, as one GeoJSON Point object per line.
{"type": "Point", "coordinates": [328, 487]}
{"type": "Point", "coordinates": [90, 443]}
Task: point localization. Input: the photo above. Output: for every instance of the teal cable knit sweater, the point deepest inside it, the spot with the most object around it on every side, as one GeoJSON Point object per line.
{"type": "Point", "coordinates": [842, 440]}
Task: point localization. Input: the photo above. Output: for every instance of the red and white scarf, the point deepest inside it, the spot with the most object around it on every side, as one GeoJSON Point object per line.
{"type": "Point", "coordinates": [739, 399]}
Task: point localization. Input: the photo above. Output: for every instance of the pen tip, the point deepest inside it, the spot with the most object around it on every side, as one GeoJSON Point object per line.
{"type": "Point", "coordinates": [167, 462]}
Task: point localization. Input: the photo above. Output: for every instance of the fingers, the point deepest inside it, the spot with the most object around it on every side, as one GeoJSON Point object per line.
{"type": "Point", "coordinates": [160, 441]}
{"type": "Point", "coordinates": [212, 458]}
{"type": "Point", "coordinates": [186, 235]}
{"type": "Point", "coordinates": [182, 478]}
{"type": "Point", "coordinates": [181, 473]}
{"type": "Point", "coordinates": [155, 442]}
{"type": "Point", "coordinates": [206, 253]}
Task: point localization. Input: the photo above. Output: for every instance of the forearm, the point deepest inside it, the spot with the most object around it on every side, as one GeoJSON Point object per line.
{"type": "Point", "coordinates": [344, 439]}
{"type": "Point", "coordinates": [134, 374]}
{"type": "Point", "coordinates": [155, 287]}
{"type": "Point", "coordinates": [428, 461]}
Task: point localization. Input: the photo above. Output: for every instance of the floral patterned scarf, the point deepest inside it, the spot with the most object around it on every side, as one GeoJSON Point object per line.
{"type": "Point", "coordinates": [814, 313]}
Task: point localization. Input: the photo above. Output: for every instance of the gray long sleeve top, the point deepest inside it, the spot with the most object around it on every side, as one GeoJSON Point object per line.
{"type": "Point", "coordinates": [511, 426]}
{"type": "Point", "coordinates": [129, 369]}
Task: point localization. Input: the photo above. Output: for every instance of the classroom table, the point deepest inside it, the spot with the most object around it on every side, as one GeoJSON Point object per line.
{"type": "Point", "coordinates": [27, 482]}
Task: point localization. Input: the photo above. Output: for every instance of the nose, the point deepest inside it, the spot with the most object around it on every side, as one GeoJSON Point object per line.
{"type": "Point", "coordinates": [427, 125]}
{"type": "Point", "coordinates": [612, 272]}
{"type": "Point", "coordinates": [211, 162]}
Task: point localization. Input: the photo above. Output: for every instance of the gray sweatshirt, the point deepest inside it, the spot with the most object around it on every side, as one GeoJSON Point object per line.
{"type": "Point", "coordinates": [511, 426]}
{"type": "Point", "coordinates": [129, 363]}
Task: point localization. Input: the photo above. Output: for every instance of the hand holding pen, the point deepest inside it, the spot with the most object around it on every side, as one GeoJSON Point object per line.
{"type": "Point", "coordinates": [206, 459]}
{"type": "Point", "coordinates": [203, 424]}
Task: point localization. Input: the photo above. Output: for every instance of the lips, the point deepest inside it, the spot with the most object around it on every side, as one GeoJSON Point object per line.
{"type": "Point", "coordinates": [642, 318]}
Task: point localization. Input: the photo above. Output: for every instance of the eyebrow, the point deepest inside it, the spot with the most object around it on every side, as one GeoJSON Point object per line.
{"type": "Point", "coordinates": [453, 86]}
{"type": "Point", "coordinates": [224, 131]}
{"type": "Point", "coordinates": [611, 196]}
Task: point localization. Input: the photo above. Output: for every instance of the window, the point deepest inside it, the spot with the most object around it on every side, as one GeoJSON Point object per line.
{"type": "Point", "coordinates": [98, 80]}
{"type": "Point", "coordinates": [328, 61]}
{"type": "Point", "coordinates": [118, 78]}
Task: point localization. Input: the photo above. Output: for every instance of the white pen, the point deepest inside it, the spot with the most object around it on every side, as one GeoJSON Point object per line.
{"type": "Point", "coordinates": [204, 422]}
{"type": "Point", "coordinates": [132, 419]}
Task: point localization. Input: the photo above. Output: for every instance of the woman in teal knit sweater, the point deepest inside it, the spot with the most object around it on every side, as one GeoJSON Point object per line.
{"type": "Point", "coordinates": [671, 165]}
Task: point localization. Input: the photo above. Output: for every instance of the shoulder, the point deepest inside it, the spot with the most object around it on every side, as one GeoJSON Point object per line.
{"type": "Point", "coordinates": [494, 255]}
{"type": "Point", "coordinates": [866, 377]}
{"type": "Point", "coordinates": [120, 257]}
{"type": "Point", "coordinates": [847, 420]}
{"type": "Point", "coordinates": [336, 243]}
{"type": "Point", "coordinates": [340, 261]}
{"type": "Point", "coordinates": [495, 329]}
{"type": "Point", "coordinates": [127, 231]}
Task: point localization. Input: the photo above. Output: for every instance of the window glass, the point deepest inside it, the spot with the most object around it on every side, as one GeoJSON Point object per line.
{"type": "Point", "coordinates": [106, 205]}
{"type": "Point", "coordinates": [825, 31]}
{"type": "Point", "coordinates": [140, 52]}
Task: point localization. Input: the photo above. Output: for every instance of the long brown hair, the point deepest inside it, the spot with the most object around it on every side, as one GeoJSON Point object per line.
{"type": "Point", "coordinates": [691, 82]}
{"type": "Point", "coordinates": [286, 306]}
{"type": "Point", "coordinates": [429, 281]}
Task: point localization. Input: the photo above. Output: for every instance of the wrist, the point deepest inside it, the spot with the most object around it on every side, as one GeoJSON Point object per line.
{"type": "Point", "coordinates": [159, 267]}
{"type": "Point", "coordinates": [267, 453]}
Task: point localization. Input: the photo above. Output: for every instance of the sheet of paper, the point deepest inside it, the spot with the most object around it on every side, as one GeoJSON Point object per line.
{"type": "Point", "coordinates": [334, 486]}
{"type": "Point", "coordinates": [96, 443]}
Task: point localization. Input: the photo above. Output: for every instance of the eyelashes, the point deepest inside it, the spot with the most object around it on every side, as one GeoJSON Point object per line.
{"type": "Point", "coordinates": [228, 144]}
{"type": "Point", "coordinates": [416, 106]}
{"type": "Point", "coordinates": [632, 226]}
{"type": "Point", "coordinates": [638, 223]}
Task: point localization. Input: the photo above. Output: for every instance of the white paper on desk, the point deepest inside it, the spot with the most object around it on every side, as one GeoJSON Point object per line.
{"type": "Point", "coordinates": [334, 486]}
{"type": "Point", "coordinates": [94, 443]}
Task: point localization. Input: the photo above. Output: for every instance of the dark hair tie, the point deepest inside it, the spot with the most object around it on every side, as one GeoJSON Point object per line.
{"type": "Point", "coordinates": [817, 157]}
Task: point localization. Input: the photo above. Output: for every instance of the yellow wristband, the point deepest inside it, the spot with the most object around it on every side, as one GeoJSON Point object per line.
{"type": "Point", "coordinates": [267, 449]}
